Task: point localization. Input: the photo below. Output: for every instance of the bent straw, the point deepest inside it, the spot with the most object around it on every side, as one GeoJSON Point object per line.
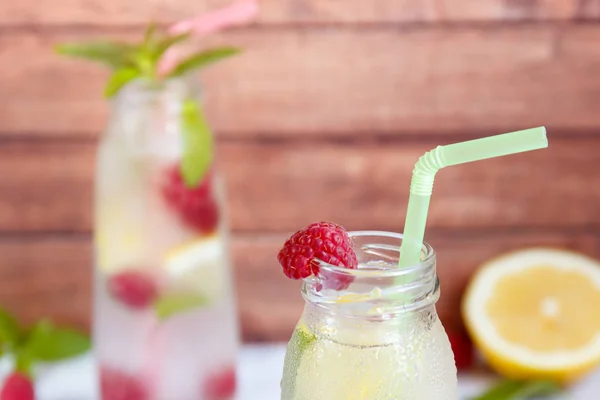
{"type": "Point", "coordinates": [430, 163]}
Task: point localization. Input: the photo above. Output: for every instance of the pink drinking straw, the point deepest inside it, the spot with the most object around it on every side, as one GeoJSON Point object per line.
{"type": "Point", "coordinates": [237, 13]}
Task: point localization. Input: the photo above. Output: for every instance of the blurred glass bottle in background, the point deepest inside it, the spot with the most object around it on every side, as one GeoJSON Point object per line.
{"type": "Point", "coordinates": [164, 316]}
{"type": "Point", "coordinates": [164, 319]}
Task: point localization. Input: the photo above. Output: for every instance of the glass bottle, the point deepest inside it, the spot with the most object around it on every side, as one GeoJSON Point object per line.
{"type": "Point", "coordinates": [164, 315]}
{"type": "Point", "coordinates": [378, 339]}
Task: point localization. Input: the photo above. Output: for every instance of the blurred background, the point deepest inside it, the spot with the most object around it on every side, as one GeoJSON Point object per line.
{"type": "Point", "coordinates": [321, 118]}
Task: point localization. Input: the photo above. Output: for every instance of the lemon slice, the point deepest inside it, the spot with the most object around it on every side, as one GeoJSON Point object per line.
{"type": "Point", "coordinates": [536, 314]}
{"type": "Point", "coordinates": [199, 265]}
{"type": "Point", "coordinates": [119, 241]}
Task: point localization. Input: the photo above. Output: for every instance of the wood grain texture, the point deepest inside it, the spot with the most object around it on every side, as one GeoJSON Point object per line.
{"type": "Point", "coordinates": [588, 9]}
{"type": "Point", "coordinates": [322, 117]}
{"type": "Point", "coordinates": [117, 12]}
{"type": "Point", "coordinates": [332, 81]}
{"type": "Point", "coordinates": [52, 276]}
{"type": "Point", "coordinates": [46, 186]}
{"type": "Point", "coordinates": [46, 277]}
{"type": "Point", "coordinates": [279, 187]}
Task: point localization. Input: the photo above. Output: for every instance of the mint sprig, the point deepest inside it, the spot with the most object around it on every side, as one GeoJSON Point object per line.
{"type": "Point", "coordinates": [129, 61]}
{"type": "Point", "coordinates": [520, 390]}
{"type": "Point", "coordinates": [44, 342]}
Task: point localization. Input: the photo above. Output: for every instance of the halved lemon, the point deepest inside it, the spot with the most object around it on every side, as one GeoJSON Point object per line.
{"type": "Point", "coordinates": [536, 314]}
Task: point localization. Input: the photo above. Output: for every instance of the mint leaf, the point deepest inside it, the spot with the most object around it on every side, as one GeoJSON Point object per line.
{"type": "Point", "coordinates": [154, 46]}
{"type": "Point", "coordinates": [47, 342]}
{"type": "Point", "coordinates": [118, 79]}
{"type": "Point", "coordinates": [149, 35]}
{"type": "Point", "coordinates": [175, 303]}
{"type": "Point", "coordinates": [153, 50]}
{"type": "Point", "coordinates": [197, 144]}
{"type": "Point", "coordinates": [304, 339]}
{"type": "Point", "coordinates": [163, 45]}
{"type": "Point", "coordinates": [502, 390]}
{"type": "Point", "coordinates": [113, 54]}
{"type": "Point", "coordinates": [23, 362]}
{"type": "Point", "coordinates": [519, 390]}
{"type": "Point", "coordinates": [202, 59]}
{"type": "Point", "coordinates": [538, 388]}
{"type": "Point", "coordinates": [10, 332]}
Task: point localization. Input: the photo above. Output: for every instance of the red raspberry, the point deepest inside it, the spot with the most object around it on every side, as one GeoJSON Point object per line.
{"type": "Point", "coordinates": [462, 347]}
{"type": "Point", "coordinates": [220, 385]}
{"type": "Point", "coordinates": [197, 206]}
{"type": "Point", "coordinates": [17, 387]}
{"type": "Point", "coordinates": [117, 385]}
{"type": "Point", "coordinates": [133, 288]}
{"type": "Point", "coordinates": [325, 241]}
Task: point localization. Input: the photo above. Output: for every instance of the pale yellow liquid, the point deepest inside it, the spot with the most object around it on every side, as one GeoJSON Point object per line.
{"type": "Point", "coordinates": [370, 361]}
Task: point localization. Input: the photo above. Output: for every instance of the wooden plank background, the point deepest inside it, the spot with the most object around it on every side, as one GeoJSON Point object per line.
{"type": "Point", "coordinates": [322, 117]}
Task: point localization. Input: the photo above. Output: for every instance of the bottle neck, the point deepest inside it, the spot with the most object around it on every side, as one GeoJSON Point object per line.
{"type": "Point", "coordinates": [147, 116]}
{"type": "Point", "coordinates": [377, 293]}
{"type": "Point", "coordinates": [142, 91]}
{"type": "Point", "coordinates": [373, 302]}
{"type": "Point", "coordinates": [144, 97]}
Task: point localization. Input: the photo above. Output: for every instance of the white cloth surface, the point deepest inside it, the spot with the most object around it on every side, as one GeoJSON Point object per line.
{"type": "Point", "coordinates": [260, 368]}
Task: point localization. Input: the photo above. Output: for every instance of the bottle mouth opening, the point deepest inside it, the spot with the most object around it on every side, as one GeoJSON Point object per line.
{"type": "Point", "coordinates": [378, 281]}
{"type": "Point", "coordinates": [388, 252]}
{"type": "Point", "coordinates": [142, 90]}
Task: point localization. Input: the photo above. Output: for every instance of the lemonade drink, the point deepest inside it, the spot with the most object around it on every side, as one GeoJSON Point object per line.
{"type": "Point", "coordinates": [377, 336]}
{"type": "Point", "coordinates": [164, 320]}
{"type": "Point", "coordinates": [369, 328]}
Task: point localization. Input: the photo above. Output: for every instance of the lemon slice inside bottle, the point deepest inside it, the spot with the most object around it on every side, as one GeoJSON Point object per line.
{"type": "Point", "coordinates": [199, 265]}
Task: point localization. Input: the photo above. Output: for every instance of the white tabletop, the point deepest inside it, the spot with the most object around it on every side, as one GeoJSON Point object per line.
{"type": "Point", "coordinates": [260, 371]}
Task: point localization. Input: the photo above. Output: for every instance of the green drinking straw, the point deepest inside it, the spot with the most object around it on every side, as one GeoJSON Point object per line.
{"type": "Point", "coordinates": [425, 169]}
